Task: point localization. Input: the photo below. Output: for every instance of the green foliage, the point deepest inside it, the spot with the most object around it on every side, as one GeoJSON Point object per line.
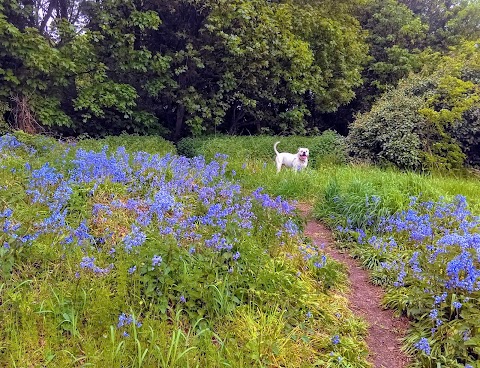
{"type": "Point", "coordinates": [327, 148]}
{"type": "Point", "coordinates": [339, 47]}
{"type": "Point", "coordinates": [30, 66]}
{"type": "Point", "coordinates": [358, 203]}
{"type": "Point", "coordinates": [391, 131]}
{"type": "Point", "coordinates": [449, 22]}
{"type": "Point", "coordinates": [414, 126]}
{"type": "Point", "coordinates": [467, 134]}
{"type": "Point", "coordinates": [464, 24]}
{"type": "Point", "coordinates": [180, 68]}
{"type": "Point", "coordinates": [4, 128]}
{"type": "Point", "coordinates": [189, 147]}
{"type": "Point", "coordinates": [395, 36]}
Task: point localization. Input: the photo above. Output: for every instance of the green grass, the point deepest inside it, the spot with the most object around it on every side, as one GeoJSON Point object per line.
{"type": "Point", "coordinates": [252, 160]}
{"type": "Point", "coordinates": [277, 309]}
{"type": "Point", "coordinates": [51, 318]}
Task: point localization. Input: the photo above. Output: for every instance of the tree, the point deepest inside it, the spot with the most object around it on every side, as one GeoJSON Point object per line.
{"type": "Point", "coordinates": [183, 66]}
{"type": "Point", "coordinates": [441, 15]}
{"type": "Point", "coordinates": [395, 37]}
{"type": "Point", "coordinates": [29, 67]}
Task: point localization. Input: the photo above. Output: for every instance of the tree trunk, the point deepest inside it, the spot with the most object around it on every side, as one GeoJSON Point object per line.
{"type": "Point", "coordinates": [179, 122]}
{"type": "Point", "coordinates": [236, 118]}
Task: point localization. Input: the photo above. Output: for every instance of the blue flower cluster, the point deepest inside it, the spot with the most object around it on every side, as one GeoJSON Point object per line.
{"type": "Point", "coordinates": [125, 320]}
{"type": "Point", "coordinates": [432, 252]}
{"type": "Point", "coordinates": [443, 236]}
{"type": "Point", "coordinates": [423, 345]}
{"type": "Point", "coordinates": [9, 142]}
{"type": "Point", "coordinates": [187, 201]}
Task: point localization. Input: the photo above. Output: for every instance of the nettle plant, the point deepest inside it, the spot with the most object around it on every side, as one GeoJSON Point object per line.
{"type": "Point", "coordinates": [164, 232]}
{"type": "Point", "coordinates": [430, 262]}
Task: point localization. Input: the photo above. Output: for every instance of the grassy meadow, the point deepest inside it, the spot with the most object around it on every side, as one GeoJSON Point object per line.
{"type": "Point", "coordinates": [132, 256]}
{"type": "Point", "coordinates": [131, 252]}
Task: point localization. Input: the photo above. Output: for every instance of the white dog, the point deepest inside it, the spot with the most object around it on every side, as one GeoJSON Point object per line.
{"type": "Point", "coordinates": [296, 161]}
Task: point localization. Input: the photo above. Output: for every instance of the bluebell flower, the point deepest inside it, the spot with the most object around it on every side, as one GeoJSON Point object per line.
{"type": "Point", "coordinates": [7, 213]}
{"type": "Point", "coordinates": [291, 228]}
{"type": "Point", "coordinates": [89, 264]}
{"type": "Point", "coordinates": [441, 298]}
{"type": "Point", "coordinates": [423, 345]}
{"type": "Point", "coordinates": [135, 239]}
{"type": "Point", "coordinates": [156, 260]}
{"type": "Point", "coordinates": [124, 320]}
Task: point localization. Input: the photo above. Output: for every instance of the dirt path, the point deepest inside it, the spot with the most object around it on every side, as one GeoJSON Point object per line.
{"type": "Point", "coordinates": [385, 330]}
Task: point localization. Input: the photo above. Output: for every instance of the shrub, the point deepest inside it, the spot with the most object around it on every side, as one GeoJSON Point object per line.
{"type": "Point", "coordinates": [421, 123]}
{"type": "Point", "coordinates": [188, 147]}
{"type": "Point", "coordinates": [390, 132]}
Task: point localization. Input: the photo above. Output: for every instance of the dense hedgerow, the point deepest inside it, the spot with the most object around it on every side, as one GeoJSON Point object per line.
{"type": "Point", "coordinates": [138, 259]}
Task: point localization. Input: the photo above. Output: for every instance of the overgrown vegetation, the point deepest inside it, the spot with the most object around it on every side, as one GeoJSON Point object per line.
{"type": "Point", "coordinates": [139, 260]}
{"type": "Point", "coordinates": [426, 256]}
{"type": "Point", "coordinates": [144, 259]}
{"type": "Point", "coordinates": [412, 230]}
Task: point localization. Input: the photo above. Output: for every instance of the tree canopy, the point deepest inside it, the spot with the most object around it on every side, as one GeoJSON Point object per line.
{"type": "Point", "coordinates": [190, 67]}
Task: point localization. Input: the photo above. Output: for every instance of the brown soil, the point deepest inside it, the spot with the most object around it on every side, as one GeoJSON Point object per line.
{"type": "Point", "coordinates": [385, 330]}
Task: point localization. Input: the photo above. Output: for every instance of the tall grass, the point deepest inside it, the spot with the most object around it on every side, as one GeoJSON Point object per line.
{"type": "Point", "coordinates": [251, 161]}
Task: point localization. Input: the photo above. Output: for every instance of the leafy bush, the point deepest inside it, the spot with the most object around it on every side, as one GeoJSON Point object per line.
{"type": "Point", "coordinates": [189, 147]}
{"type": "Point", "coordinates": [390, 131]}
{"type": "Point", "coordinates": [424, 122]}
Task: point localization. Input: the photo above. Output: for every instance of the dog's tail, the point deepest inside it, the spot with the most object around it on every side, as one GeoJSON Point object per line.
{"type": "Point", "coordinates": [275, 147]}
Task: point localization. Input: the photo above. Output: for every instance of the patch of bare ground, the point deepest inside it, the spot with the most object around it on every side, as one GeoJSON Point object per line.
{"type": "Point", "coordinates": [385, 330]}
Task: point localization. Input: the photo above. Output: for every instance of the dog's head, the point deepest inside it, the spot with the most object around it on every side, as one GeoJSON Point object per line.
{"type": "Point", "coordinates": [303, 153]}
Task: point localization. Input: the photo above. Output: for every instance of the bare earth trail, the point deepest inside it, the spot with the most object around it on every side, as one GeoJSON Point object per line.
{"type": "Point", "coordinates": [385, 330]}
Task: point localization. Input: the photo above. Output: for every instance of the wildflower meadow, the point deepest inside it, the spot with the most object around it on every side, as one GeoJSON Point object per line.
{"type": "Point", "coordinates": [119, 257]}
{"type": "Point", "coordinates": [121, 252]}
